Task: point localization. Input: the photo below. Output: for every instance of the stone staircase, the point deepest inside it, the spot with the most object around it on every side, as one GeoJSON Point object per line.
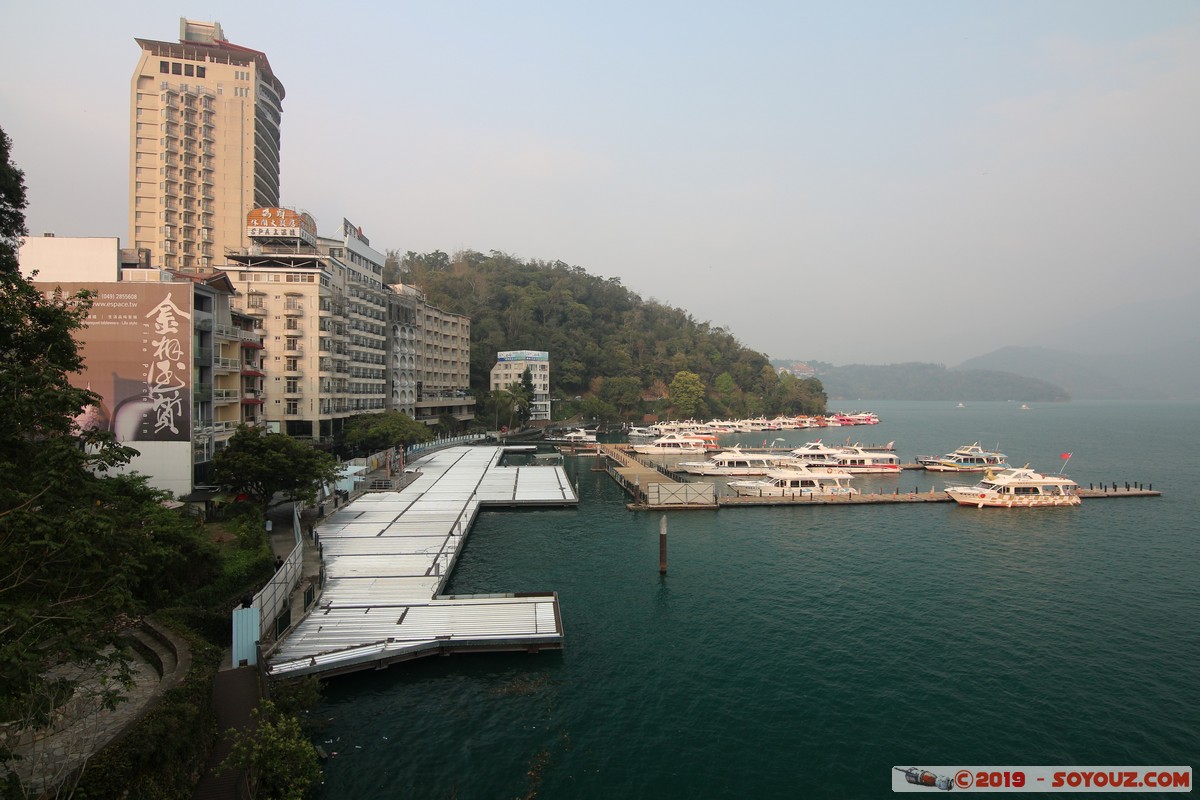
{"type": "Point", "coordinates": [81, 727]}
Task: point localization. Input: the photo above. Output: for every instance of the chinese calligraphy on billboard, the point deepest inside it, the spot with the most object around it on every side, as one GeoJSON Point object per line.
{"type": "Point", "coordinates": [137, 355]}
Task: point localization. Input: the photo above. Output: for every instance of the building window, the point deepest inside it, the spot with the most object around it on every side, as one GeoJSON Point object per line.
{"type": "Point", "coordinates": [164, 67]}
{"type": "Point", "coordinates": [200, 72]}
{"type": "Point", "coordinates": [293, 406]}
{"type": "Point", "coordinates": [189, 70]}
{"type": "Point", "coordinates": [293, 365]}
{"type": "Point", "coordinates": [176, 69]}
{"type": "Point", "coordinates": [293, 385]}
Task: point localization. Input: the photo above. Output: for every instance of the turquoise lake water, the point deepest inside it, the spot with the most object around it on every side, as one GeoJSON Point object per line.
{"type": "Point", "coordinates": [804, 652]}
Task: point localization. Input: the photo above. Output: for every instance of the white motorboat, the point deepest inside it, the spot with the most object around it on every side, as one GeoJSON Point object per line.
{"type": "Point", "coordinates": [968, 458]}
{"type": "Point", "coordinates": [639, 434]}
{"type": "Point", "coordinates": [815, 454]}
{"type": "Point", "coordinates": [673, 443]}
{"type": "Point", "coordinates": [577, 436]}
{"type": "Point", "coordinates": [797, 482]}
{"type": "Point", "coordinates": [858, 459]}
{"type": "Point", "coordinates": [733, 463]}
{"type": "Point", "coordinates": [1017, 488]}
{"type": "Point", "coordinates": [853, 458]}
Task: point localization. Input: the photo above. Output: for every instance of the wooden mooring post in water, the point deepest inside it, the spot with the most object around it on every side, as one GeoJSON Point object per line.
{"type": "Point", "coordinates": [662, 545]}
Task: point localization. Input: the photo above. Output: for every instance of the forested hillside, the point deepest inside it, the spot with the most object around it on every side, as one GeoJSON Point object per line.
{"type": "Point", "coordinates": [597, 331]}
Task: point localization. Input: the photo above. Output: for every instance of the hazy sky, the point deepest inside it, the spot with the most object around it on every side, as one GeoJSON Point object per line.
{"type": "Point", "coordinates": [854, 182]}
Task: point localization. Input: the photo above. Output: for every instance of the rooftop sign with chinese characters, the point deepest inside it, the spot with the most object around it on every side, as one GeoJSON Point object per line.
{"type": "Point", "coordinates": [281, 223]}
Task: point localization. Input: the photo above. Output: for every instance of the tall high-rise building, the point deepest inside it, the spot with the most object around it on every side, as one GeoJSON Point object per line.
{"type": "Point", "coordinates": [204, 146]}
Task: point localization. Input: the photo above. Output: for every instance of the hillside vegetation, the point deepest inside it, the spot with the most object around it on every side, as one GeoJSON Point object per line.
{"type": "Point", "coordinates": [598, 332]}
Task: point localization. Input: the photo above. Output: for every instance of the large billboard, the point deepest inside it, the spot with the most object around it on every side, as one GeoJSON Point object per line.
{"type": "Point", "coordinates": [281, 223]}
{"type": "Point", "coordinates": [137, 351]}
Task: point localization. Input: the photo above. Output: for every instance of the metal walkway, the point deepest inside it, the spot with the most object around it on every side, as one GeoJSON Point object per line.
{"type": "Point", "coordinates": [388, 555]}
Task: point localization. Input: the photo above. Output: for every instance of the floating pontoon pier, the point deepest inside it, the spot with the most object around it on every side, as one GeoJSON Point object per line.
{"type": "Point", "coordinates": [387, 557]}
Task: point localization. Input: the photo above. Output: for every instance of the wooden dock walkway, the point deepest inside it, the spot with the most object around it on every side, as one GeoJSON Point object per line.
{"type": "Point", "coordinates": [636, 474]}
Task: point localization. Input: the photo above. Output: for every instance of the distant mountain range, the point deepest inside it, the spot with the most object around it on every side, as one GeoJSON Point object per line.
{"type": "Point", "coordinates": [915, 381]}
{"type": "Point", "coordinates": [1139, 351]}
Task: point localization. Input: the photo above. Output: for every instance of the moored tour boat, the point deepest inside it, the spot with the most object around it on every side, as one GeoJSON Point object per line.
{"type": "Point", "coordinates": [968, 458]}
{"type": "Point", "coordinates": [732, 462]}
{"type": "Point", "coordinates": [796, 482]}
{"type": "Point", "coordinates": [673, 443]}
{"type": "Point", "coordinates": [815, 454]}
{"type": "Point", "coordinates": [1017, 488]}
{"type": "Point", "coordinates": [578, 436]}
{"type": "Point", "coordinates": [857, 459]}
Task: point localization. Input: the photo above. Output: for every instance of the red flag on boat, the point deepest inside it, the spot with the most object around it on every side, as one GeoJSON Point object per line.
{"type": "Point", "coordinates": [1066, 455]}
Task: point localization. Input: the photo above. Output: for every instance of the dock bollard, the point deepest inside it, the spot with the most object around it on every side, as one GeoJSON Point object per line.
{"type": "Point", "coordinates": [662, 545]}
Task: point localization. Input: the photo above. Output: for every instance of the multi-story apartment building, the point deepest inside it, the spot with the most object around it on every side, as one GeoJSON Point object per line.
{"type": "Point", "coordinates": [432, 370]}
{"type": "Point", "coordinates": [321, 306]}
{"type": "Point", "coordinates": [405, 315]}
{"type": "Point", "coordinates": [510, 367]}
{"type": "Point", "coordinates": [204, 146]}
{"type": "Point", "coordinates": [176, 367]}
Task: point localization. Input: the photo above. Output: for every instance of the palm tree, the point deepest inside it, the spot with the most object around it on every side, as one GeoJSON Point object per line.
{"type": "Point", "coordinates": [521, 402]}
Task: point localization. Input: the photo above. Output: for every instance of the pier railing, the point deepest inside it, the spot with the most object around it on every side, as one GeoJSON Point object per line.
{"type": "Point", "coordinates": [650, 484]}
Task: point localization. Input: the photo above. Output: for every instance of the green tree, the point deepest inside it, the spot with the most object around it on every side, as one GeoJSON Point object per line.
{"type": "Point", "coordinates": [527, 383]}
{"type": "Point", "coordinates": [12, 207]}
{"type": "Point", "coordinates": [276, 752]}
{"type": "Point", "coordinates": [624, 394]}
{"type": "Point", "coordinates": [392, 267]}
{"type": "Point", "coordinates": [448, 424]}
{"type": "Point", "coordinates": [593, 408]}
{"type": "Point", "coordinates": [370, 433]}
{"type": "Point", "coordinates": [520, 404]}
{"type": "Point", "coordinates": [497, 408]}
{"type": "Point", "coordinates": [261, 465]}
{"type": "Point", "coordinates": [687, 392]}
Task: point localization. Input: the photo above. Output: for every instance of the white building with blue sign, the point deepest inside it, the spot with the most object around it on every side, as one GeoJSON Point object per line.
{"type": "Point", "coordinates": [511, 365]}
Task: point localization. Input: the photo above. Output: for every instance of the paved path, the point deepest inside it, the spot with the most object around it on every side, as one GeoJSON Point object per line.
{"type": "Point", "coordinates": [235, 693]}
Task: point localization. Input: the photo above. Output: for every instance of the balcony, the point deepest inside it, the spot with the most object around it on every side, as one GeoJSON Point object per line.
{"type": "Point", "coordinates": [225, 395]}
{"type": "Point", "coordinates": [293, 309]}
